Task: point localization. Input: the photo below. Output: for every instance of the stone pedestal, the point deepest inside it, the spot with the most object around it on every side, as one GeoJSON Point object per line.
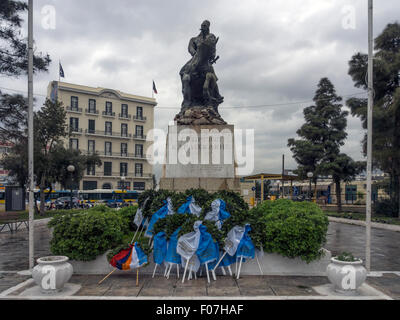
{"type": "Point", "coordinates": [200, 156]}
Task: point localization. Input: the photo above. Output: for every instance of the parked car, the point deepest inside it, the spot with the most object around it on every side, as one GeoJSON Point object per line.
{"type": "Point", "coordinates": [65, 203]}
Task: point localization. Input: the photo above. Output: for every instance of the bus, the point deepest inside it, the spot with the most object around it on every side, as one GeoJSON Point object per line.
{"type": "Point", "coordinates": [109, 197]}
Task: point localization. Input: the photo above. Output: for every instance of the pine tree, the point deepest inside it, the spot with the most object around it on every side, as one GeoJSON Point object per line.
{"type": "Point", "coordinates": [321, 137]}
{"type": "Point", "coordinates": [386, 113]}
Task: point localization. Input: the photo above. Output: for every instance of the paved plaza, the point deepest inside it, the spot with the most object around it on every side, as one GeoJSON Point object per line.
{"type": "Point", "coordinates": [341, 237]}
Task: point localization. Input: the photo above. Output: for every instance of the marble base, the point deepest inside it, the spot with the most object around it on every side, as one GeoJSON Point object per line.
{"type": "Point", "coordinates": [200, 151]}
{"type": "Point", "coordinates": [209, 184]}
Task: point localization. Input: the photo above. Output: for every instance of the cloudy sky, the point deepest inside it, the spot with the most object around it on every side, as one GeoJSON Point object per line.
{"type": "Point", "coordinates": [272, 53]}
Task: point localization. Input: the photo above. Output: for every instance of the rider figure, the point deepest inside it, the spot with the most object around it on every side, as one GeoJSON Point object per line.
{"type": "Point", "coordinates": [189, 69]}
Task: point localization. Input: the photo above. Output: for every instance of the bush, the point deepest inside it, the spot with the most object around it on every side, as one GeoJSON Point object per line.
{"type": "Point", "coordinates": [84, 236]}
{"type": "Point", "coordinates": [128, 215]}
{"type": "Point", "coordinates": [292, 229]}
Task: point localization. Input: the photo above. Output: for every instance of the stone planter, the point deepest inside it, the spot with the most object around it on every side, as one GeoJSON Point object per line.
{"type": "Point", "coordinates": [52, 273]}
{"type": "Point", "coordinates": [345, 276]}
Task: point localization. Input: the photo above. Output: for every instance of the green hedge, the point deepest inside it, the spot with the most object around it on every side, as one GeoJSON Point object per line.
{"type": "Point", "coordinates": [86, 235]}
{"type": "Point", "coordinates": [291, 229]}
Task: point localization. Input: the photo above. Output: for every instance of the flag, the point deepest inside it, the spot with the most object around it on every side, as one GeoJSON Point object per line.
{"type": "Point", "coordinates": [154, 88]}
{"type": "Point", "coordinates": [61, 71]}
{"type": "Point", "coordinates": [54, 90]}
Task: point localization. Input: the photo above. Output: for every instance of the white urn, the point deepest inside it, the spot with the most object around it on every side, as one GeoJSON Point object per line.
{"type": "Point", "coordinates": [52, 273]}
{"type": "Point", "coordinates": [346, 276]}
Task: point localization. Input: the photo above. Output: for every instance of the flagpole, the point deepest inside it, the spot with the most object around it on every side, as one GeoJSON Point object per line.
{"type": "Point", "coordinates": [152, 90]}
{"type": "Point", "coordinates": [30, 134]}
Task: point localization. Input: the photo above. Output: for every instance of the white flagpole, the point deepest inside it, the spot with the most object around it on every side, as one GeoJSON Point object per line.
{"type": "Point", "coordinates": [369, 136]}
{"type": "Point", "coordinates": [30, 134]}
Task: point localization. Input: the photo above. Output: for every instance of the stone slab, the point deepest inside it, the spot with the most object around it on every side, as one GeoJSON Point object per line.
{"type": "Point", "coordinates": [274, 264]}
{"type": "Point", "coordinates": [202, 152]}
{"type": "Point", "coordinates": [209, 184]}
{"type": "Point", "coordinates": [69, 290]}
{"type": "Point", "coordinates": [364, 290]}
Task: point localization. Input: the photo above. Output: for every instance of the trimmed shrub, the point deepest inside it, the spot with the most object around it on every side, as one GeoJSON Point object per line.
{"type": "Point", "coordinates": [86, 235]}
{"type": "Point", "coordinates": [291, 229]}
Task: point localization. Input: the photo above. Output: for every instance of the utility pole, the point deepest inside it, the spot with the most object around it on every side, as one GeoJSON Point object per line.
{"type": "Point", "coordinates": [30, 134]}
{"type": "Point", "coordinates": [369, 136]}
{"type": "Point", "coordinates": [283, 173]}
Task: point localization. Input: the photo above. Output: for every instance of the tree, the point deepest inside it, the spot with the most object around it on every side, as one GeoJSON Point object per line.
{"type": "Point", "coordinates": [386, 112]}
{"type": "Point", "coordinates": [321, 137]}
{"type": "Point", "coordinates": [14, 49]}
{"type": "Point", "coordinates": [14, 63]}
{"type": "Point", "coordinates": [50, 156]}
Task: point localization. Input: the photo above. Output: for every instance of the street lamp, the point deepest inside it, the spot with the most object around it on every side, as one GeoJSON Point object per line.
{"type": "Point", "coordinates": [123, 183]}
{"type": "Point", "coordinates": [310, 175]}
{"type": "Point", "coordinates": [278, 189]}
{"type": "Point", "coordinates": [71, 169]}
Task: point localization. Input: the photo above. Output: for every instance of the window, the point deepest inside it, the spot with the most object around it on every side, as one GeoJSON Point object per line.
{"type": "Point", "coordinates": [124, 111]}
{"type": "Point", "coordinates": [139, 186]}
{"type": "Point", "coordinates": [124, 130]}
{"type": "Point", "coordinates": [107, 186]}
{"type": "Point", "coordinates": [74, 103]}
{"type": "Point", "coordinates": [108, 168]}
{"type": "Point", "coordinates": [108, 148]}
{"type": "Point", "coordinates": [123, 169]}
{"type": "Point", "coordinates": [124, 149]}
{"type": "Point", "coordinates": [91, 146]}
{"type": "Point", "coordinates": [139, 150]}
{"type": "Point", "coordinates": [74, 144]}
{"type": "Point", "coordinates": [139, 131]}
{"type": "Point", "coordinates": [139, 112]}
{"type": "Point", "coordinates": [91, 170]}
{"type": "Point", "coordinates": [92, 126]}
{"type": "Point", "coordinates": [108, 128]}
{"type": "Point", "coordinates": [138, 169]}
{"type": "Point", "coordinates": [109, 108]}
{"type": "Point", "coordinates": [89, 185]}
{"type": "Point", "coordinates": [74, 124]}
{"type": "Point", "coordinates": [92, 106]}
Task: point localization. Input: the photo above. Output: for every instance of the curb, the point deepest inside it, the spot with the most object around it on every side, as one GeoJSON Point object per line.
{"type": "Point", "coordinates": [375, 225]}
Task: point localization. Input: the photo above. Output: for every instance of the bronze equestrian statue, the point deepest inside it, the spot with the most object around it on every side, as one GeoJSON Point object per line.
{"type": "Point", "coordinates": [199, 82]}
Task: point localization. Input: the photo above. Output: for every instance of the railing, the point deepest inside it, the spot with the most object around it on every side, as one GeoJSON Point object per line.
{"type": "Point", "coordinates": [139, 118]}
{"type": "Point", "coordinates": [139, 137]}
{"type": "Point", "coordinates": [74, 109]}
{"type": "Point", "coordinates": [109, 114]}
{"type": "Point", "coordinates": [108, 134]}
{"type": "Point", "coordinates": [118, 175]}
{"type": "Point", "coordinates": [125, 116]}
{"type": "Point", "coordinates": [94, 112]}
{"type": "Point", "coordinates": [75, 130]}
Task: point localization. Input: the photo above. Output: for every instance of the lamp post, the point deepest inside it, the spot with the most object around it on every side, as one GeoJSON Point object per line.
{"type": "Point", "coordinates": [310, 175]}
{"type": "Point", "coordinates": [123, 188]}
{"type": "Point", "coordinates": [71, 169]}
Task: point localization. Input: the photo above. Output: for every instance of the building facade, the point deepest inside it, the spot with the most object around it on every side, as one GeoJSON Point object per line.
{"type": "Point", "coordinates": [114, 125]}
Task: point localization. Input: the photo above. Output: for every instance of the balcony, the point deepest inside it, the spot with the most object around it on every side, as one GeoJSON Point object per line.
{"type": "Point", "coordinates": [139, 118]}
{"type": "Point", "coordinates": [74, 110]}
{"type": "Point", "coordinates": [75, 131]}
{"type": "Point", "coordinates": [108, 114]}
{"type": "Point", "coordinates": [118, 175]}
{"type": "Point", "coordinates": [92, 112]}
{"type": "Point", "coordinates": [139, 137]}
{"type": "Point", "coordinates": [99, 133]}
{"type": "Point", "coordinates": [123, 116]}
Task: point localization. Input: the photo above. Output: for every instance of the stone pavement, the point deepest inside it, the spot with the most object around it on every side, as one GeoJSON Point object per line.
{"type": "Point", "coordinates": [267, 287]}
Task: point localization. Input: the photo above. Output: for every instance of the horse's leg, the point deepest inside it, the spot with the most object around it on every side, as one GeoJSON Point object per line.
{"type": "Point", "coordinates": [206, 87]}
{"type": "Point", "coordinates": [186, 90]}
